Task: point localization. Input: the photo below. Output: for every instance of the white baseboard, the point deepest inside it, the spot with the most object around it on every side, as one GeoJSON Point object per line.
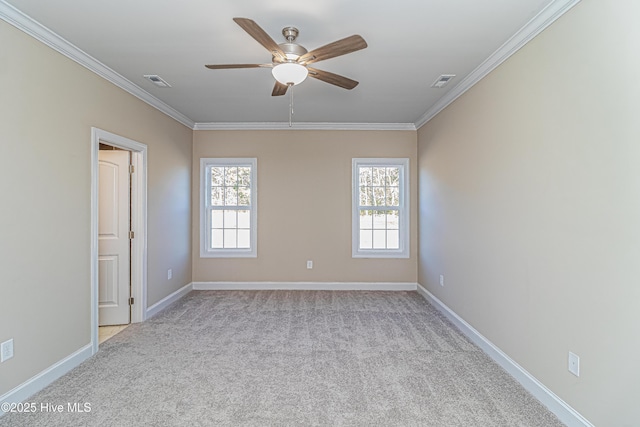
{"type": "Point", "coordinates": [46, 377]}
{"type": "Point", "coordinates": [559, 407]}
{"type": "Point", "coordinates": [168, 300]}
{"type": "Point", "coordinates": [305, 286]}
{"type": "Point", "coordinates": [55, 371]}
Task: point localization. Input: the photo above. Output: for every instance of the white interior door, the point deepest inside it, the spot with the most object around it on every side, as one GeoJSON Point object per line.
{"type": "Point", "coordinates": [114, 288]}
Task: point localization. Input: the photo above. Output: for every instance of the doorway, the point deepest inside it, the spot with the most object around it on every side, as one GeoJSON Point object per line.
{"type": "Point", "coordinates": [131, 303]}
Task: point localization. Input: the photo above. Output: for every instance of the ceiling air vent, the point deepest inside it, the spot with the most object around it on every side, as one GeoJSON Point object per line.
{"type": "Point", "coordinates": [156, 80]}
{"type": "Point", "coordinates": [443, 80]}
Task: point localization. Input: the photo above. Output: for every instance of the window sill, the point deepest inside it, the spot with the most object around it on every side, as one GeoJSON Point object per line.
{"type": "Point", "coordinates": [380, 254]}
{"type": "Point", "coordinates": [229, 254]}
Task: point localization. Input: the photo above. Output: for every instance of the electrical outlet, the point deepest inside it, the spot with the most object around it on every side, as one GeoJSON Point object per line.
{"type": "Point", "coordinates": [6, 350]}
{"type": "Point", "coordinates": [309, 264]}
{"type": "Point", "coordinates": [169, 274]}
{"type": "Point", "coordinates": [574, 364]}
{"type": "Point", "coordinates": [442, 280]}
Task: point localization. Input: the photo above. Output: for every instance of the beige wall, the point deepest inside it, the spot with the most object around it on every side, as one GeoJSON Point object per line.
{"type": "Point", "coordinates": [304, 205]}
{"type": "Point", "coordinates": [530, 207]}
{"type": "Point", "coordinates": [48, 105]}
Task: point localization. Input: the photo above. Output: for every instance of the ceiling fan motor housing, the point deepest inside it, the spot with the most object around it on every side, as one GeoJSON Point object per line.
{"type": "Point", "coordinates": [292, 51]}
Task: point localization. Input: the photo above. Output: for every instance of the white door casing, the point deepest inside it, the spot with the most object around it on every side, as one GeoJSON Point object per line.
{"type": "Point", "coordinates": [113, 238]}
{"type": "Point", "coordinates": [139, 160]}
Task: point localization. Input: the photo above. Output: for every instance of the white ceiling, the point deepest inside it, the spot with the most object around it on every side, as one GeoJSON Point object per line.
{"type": "Point", "coordinates": [411, 43]}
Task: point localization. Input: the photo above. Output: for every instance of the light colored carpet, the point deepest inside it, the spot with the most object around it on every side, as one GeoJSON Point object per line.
{"type": "Point", "coordinates": [291, 358]}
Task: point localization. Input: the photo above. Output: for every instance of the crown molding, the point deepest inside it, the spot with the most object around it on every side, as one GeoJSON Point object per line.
{"type": "Point", "coordinates": [38, 31]}
{"type": "Point", "coordinates": [535, 26]}
{"type": "Point", "coordinates": [302, 126]}
{"type": "Point", "coordinates": [542, 20]}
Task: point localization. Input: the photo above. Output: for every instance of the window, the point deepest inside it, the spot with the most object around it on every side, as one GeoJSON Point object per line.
{"type": "Point", "coordinates": [380, 220]}
{"type": "Point", "coordinates": [228, 208]}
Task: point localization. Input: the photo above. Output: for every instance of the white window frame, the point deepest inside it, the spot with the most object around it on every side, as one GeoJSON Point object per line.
{"type": "Point", "coordinates": [206, 251]}
{"type": "Point", "coordinates": [403, 250]}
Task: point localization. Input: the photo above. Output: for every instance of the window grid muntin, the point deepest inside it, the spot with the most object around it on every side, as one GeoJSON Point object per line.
{"type": "Point", "coordinates": [396, 199]}
{"type": "Point", "coordinates": [220, 225]}
{"type": "Point", "coordinates": [380, 186]}
{"type": "Point", "coordinates": [230, 193]}
{"type": "Point", "coordinates": [237, 178]}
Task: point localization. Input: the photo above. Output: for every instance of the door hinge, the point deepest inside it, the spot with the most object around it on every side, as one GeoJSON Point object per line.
{"type": "Point", "coordinates": [131, 300]}
{"type": "Point", "coordinates": [132, 169]}
{"type": "Point", "coordinates": [131, 235]}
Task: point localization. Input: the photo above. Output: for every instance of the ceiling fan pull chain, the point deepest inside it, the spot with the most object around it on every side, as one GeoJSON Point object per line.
{"type": "Point", "coordinates": [290, 104]}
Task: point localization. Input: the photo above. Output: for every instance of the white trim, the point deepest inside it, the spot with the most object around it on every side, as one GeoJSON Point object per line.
{"type": "Point", "coordinates": [38, 31]}
{"type": "Point", "coordinates": [535, 26]}
{"type": "Point", "coordinates": [555, 404]}
{"type": "Point", "coordinates": [206, 251]}
{"type": "Point", "coordinates": [302, 126]}
{"type": "Point", "coordinates": [304, 286]}
{"type": "Point", "coordinates": [168, 300]}
{"type": "Point", "coordinates": [405, 218]}
{"type": "Point", "coordinates": [138, 222]}
{"type": "Point", "coordinates": [46, 377]}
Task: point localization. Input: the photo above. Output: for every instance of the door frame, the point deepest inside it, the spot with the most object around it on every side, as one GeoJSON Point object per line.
{"type": "Point", "coordinates": [138, 225]}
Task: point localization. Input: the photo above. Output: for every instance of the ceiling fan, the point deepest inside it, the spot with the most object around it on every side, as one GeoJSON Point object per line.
{"type": "Point", "coordinates": [290, 61]}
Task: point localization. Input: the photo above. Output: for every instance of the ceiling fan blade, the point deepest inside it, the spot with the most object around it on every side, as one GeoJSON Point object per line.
{"type": "Point", "coordinates": [337, 48]}
{"type": "Point", "coordinates": [331, 78]}
{"type": "Point", "coordinates": [228, 66]}
{"type": "Point", "coordinates": [279, 89]}
{"type": "Point", "coordinates": [255, 31]}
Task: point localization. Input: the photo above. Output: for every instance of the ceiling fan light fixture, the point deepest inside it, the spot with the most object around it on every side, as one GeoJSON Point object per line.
{"type": "Point", "coordinates": [290, 73]}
